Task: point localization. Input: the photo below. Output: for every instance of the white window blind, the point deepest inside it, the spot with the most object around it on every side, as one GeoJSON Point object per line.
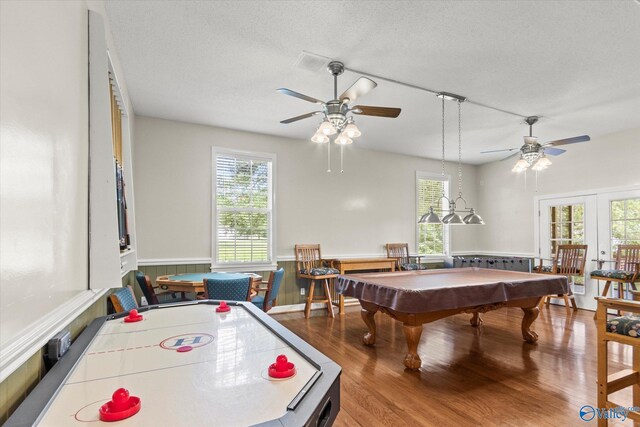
{"type": "Point", "coordinates": [243, 209]}
{"type": "Point", "coordinates": [432, 238]}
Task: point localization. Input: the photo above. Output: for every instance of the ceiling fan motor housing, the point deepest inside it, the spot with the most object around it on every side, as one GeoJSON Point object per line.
{"type": "Point", "coordinates": [336, 112]}
{"type": "Point", "coordinates": [531, 152]}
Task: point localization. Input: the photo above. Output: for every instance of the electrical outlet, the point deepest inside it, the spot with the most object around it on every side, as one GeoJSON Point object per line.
{"type": "Point", "coordinates": [302, 291]}
{"type": "Point", "coordinates": [143, 301]}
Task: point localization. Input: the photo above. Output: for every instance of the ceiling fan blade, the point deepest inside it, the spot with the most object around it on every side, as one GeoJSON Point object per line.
{"type": "Point", "coordinates": [511, 156]}
{"type": "Point", "coordinates": [497, 151]}
{"type": "Point", "coordinates": [367, 110]}
{"type": "Point", "coordinates": [304, 116]}
{"type": "Point", "coordinates": [299, 95]}
{"type": "Point", "coordinates": [361, 87]}
{"type": "Point", "coordinates": [553, 151]}
{"type": "Point", "coordinates": [573, 140]}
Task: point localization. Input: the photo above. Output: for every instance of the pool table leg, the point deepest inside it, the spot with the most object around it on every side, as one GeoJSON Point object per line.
{"type": "Point", "coordinates": [368, 311]}
{"type": "Point", "coordinates": [412, 333]}
{"type": "Point", "coordinates": [530, 314]}
{"type": "Point", "coordinates": [476, 320]}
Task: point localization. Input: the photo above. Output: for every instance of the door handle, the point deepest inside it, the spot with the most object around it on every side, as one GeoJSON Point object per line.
{"type": "Point", "coordinates": [602, 252]}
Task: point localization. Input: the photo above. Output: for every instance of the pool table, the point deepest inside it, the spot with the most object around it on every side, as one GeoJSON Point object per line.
{"type": "Point", "coordinates": [418, 297]}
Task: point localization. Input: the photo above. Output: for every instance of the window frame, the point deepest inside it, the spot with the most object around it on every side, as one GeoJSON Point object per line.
{"type": "Point", "coordinates": [446, 228]}
{"type": "Point", "coordinates": [271, 264]}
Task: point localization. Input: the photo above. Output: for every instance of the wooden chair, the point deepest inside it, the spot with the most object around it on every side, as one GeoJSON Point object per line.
{"type": "Point", "coordinates": [150, 292]}
{"type": "Point", "coordinates": [626, 270]}
{"type": "Point", "coordinates": [309, 265]}
{"type": "Point", "coordinates": [623, 330]}
{"type": "Point", "coordinates": [228, 290]}
{"type": "Point", "coordinates": [123, 300]}
{"type": "Point", "coordinates": [400, 251]}
{"type": "Point", "coordinates": [569, 261]}
{"type": "Point", "coordinates": [266, 302]}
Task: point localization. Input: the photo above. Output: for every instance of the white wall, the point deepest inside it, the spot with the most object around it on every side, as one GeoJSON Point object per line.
{"type": "Point", "coordinates": [349, 214]}
{"type": "Point", "coordinates": [44, 171]}
{"type": "Point", "coordinates": [604, 162]}
{"type": "Point", "coordinates": [43, 159]}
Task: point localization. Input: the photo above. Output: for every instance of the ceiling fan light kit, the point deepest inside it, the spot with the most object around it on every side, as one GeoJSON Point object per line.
{"type": "Point", "coordinates": [533, 154]}
{"type": "Point", "coordinates": [337, 113]}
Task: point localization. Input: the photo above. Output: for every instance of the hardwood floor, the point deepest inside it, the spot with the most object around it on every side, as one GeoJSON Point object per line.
{"type": "Point", "coordinates": [469, 376]}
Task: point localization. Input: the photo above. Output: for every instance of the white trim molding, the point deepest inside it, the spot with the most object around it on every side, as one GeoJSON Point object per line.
{"type": "Point", "coordinates": [172, 261]}
{"type": "Point", "coordinates": [35, 336]}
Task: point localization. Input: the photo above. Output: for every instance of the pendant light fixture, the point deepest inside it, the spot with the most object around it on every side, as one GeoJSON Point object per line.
{"type": "Point", "coordinates": [452, 216]}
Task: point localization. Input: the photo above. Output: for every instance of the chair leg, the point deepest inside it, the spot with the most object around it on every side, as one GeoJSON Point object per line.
{"type": "Point", "coordinates": [541, 303]}
{"type": "Point", "coordinates": [569, 302]}
{"type": "Point", "coordinates": [605, 291]}
{"type": "Point", "coordinates": [603, 392]}
{"type": "Point", "coordinates": [573, 303]}
{"type": "Point", "coordinates": [307, 306]}
{"type": "Point", "coordinates": [636, 367]}
{"type": "Point", "coordinates": [327, 291]}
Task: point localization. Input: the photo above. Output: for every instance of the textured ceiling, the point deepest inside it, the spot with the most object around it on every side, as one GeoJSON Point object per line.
{"type": "Point", "coordinates": [576, 63]}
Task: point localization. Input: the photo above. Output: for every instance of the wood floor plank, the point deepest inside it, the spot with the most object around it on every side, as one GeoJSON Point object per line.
{"type": "Point", "coordinates": [469, 376]}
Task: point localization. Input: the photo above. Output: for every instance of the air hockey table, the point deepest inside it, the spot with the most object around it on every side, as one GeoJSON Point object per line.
{"type": "Point", "coordinates": [221, 379]}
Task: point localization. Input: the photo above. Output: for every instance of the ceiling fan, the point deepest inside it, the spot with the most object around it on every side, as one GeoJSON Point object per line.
{"type": "Point", "coordinates": [533, 154]}
{"type": "Point", "coordinates": [337, 111]}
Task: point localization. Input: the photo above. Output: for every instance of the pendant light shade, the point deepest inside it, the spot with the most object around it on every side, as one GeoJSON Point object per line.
{"type": "Point", "coordinates": [430, 218]}
{"type": "Point", "coordinates": [320, 138]}
{"type": "Point", "coordinates": [473, 218]}
{"type": "Point", "coordinates": [343, 139]}
{"type": "Point", "coordinates": [452, 218]}
{"type": "Point", "coordinates": [327, 128]}
{"type": "Point", "coordinates": [351, 130]}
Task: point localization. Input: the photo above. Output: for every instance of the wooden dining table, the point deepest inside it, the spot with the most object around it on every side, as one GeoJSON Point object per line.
{"type": "Point", "coordinates": [357, 264]}
{"type": "Point", "coordinates": [193, 282]}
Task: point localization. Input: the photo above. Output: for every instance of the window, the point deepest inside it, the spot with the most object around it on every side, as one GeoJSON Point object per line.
{"type": "Point", "coordinates": [243, 214]}
{"type": "Point", "coordinates": [567, 225]}
{"type": "Point", "coordinates": [625, 223]}
{"type": "Point", "coordinates": [433, 239]}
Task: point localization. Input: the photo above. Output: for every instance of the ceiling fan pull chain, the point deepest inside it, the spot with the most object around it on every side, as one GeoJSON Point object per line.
{"type": "Point", "coordinates": [328, 156]}
{"type": "Point", "coordinates": [460, 151]}
{"type": "Point", "coordinates": [443, 195]}
{"type": "Point", "coordinates": [342, 159]}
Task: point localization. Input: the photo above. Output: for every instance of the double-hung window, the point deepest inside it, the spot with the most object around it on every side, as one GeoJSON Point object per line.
{"type": "Point", "coordinates": [243, 210]}
{"type": "Point", "coordinates": [433, 239]}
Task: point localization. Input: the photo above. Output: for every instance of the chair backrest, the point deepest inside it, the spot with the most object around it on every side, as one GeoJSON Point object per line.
{"type": "Point", "coordinates": [399, 251]}
{"type": "Point", "coordinates": [628, 257]}
{"type": "Point", "coordinates": [308, 257]}
{"type": "Point", "coordinates": [570, 260]}
{"type": "Point", "coordinates": [273, 287]}
{"type": "Point", "coordinates": [123, 300]}
{"type": "Point", "coordinates": [146, 287]}
{"type": "Point", "coordinates": [228, 290]}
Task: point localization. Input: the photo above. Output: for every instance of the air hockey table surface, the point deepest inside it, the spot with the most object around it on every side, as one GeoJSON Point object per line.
{"type": "Point", "coordinates": [223, 380]}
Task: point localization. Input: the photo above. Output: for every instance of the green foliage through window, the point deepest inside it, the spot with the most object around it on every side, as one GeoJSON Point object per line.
{"type": "Point", "coordinates": [625, 223]}
{"type": "Point", "coordinates": [431, 237]}
{"type": "Point", "coordinates": [243, 206]}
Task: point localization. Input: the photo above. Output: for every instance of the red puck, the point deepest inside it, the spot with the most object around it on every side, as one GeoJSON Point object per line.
{"type": "Point", "coordinates": [120, 406]}
{"type": "Point", "coordinates": [282, 368]}
{"type": "Point", "coordinates": [223, 307]}
{"type": "Point", "coordinates": [133, 316]}
{"type": "Point", "coordinates": [184, 349]}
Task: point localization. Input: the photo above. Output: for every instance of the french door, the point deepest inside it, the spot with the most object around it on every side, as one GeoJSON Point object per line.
{"type": "Point", "coordinates": [571, 220]}
{"type": "Point", "coordinates": [602, 221]}
{"type": "Point", "coordinates": [620, 224]}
